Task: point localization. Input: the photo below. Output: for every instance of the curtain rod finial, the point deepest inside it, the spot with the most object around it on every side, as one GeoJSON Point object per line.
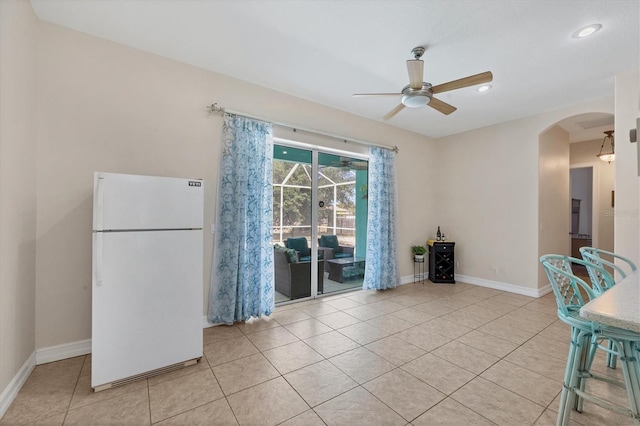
{"type": "Point", "coordinates": [213, 108]}
{"type": "Point", "coordinates": [396, 149]}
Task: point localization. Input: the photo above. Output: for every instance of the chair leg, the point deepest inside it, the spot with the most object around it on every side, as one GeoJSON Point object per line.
{"type": "Point", "coordinates": [567, 398]}
{"type": "Point", "coordinates": [588, 351]}
{"type": "Point", "coordinates": [631, 373]}
{"type": "Point", "coordinates": [611, 358]}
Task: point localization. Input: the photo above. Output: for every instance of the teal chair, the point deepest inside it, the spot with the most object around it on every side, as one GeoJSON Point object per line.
{"type": "Point", "coordinates": [605, 259]}
{"type": "Point", "coordinates": [571, 293]}
{"type": "Point", "coordinates": [301, 246]}
{"type": "Point", "coordinates": [331, 249]}
{"type": "Point", "coordinates": [337, 251]}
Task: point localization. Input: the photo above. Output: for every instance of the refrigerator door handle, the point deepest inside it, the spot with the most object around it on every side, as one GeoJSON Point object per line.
{"type": "Point", "coordinates": [99, 204]}
{"type": "Point", "coordinates": [98, 259]}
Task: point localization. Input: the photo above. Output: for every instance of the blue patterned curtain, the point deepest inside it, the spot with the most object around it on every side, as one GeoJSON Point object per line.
{"type": "Point", "coordinates": [381, 270]}
{"type": "Point", "coordinates": [242, 271]}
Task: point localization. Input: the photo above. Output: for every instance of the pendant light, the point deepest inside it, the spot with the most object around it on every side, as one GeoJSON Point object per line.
{"type": "Point", "coordinates": [607, 156]}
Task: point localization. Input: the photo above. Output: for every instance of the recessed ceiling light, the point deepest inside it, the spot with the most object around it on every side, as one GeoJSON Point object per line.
{"type": "Point", "coordinates": [587, 31]}
{"type": "Point", "coordinates": [484, 88]}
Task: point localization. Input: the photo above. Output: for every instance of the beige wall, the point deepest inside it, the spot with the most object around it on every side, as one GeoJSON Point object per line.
{"type": "Point", "coordinates": [488, 196]}
{"type": "Point", "coordinates": [17, 186]}
{"type": "Point", "coordinates": [553, 196]}
{"type": "Point", "coordinates": [584, 154]}
{"type": "Point", "coordinates": [627, 209]}
{"type": "Point", "coordinates": [103, 106]}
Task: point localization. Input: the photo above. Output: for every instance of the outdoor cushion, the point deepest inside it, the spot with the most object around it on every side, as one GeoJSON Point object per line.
{"type": "Point", "coordinates": [291, 254]}
{"type": "Point", "coordinates": [341, 255]}
{"type": "Point", "coordinates": [308, 258]}
{"type": "Point", "coordinates": [301, 246]}
{"type": "Point", "coordinates": [329, 241]}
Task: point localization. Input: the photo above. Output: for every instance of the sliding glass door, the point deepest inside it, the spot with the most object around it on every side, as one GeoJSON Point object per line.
{"type": "Point", "coordinates": [342, 220]}
{"type": "Point", "coordinates": [319, 222]}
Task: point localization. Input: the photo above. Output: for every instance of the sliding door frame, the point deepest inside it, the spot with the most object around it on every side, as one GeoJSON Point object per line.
{"type": "Point", "coordinates": [315, 150]}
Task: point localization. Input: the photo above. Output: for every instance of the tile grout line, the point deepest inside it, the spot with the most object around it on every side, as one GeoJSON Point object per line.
{"type": "Point", "coordinates": [516, 309]}
{"type": "Point", "coordinates": [66, 413]}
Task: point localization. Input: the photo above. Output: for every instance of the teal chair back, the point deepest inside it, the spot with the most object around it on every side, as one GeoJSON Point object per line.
{"type": "Point", "coordinates": [330, 241]}
{"type": "Point", "coordinates": [603, 258]}
{"type": "Point", "coordinates": [300, 245]}
{"type": "Point", "coordinates": [571, 292]}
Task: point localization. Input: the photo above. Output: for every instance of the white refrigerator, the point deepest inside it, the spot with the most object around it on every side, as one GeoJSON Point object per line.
{"type": "Point", "coordinates": [147, 276]}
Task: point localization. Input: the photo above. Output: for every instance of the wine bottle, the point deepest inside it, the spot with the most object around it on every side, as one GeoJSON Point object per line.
{"type": "Point", "coordinates": [438, 234]}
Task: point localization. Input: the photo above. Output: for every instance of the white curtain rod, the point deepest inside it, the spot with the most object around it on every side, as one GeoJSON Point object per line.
{"type": "Point", "coordinates": [215, 108]}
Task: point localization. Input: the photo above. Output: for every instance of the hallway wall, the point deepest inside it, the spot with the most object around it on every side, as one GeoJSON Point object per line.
{"type": "Point", "coordinates": [18, 32]}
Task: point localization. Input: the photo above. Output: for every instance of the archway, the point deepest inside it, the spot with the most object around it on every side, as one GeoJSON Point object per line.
{"type": "Point", "coordinates": [574, 142]}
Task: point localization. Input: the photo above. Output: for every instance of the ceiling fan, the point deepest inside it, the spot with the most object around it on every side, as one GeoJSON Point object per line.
{"type": "Point", "coordinates": [419, 93]}
{"type": "Point", "coordinates": [349, 163]}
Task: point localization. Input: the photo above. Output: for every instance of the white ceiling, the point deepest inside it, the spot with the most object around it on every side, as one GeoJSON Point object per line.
{"type": "Point", "coordinates": [325, 51]}
{"type": "Point", "coordinates": [587, 127]}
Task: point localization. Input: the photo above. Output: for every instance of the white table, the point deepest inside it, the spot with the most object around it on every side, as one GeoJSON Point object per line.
{"type": "Point", "coordinates": [619, 306]}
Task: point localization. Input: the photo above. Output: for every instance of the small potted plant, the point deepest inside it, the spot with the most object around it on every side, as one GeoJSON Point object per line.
{"type": "Point", "coordinates": [418, 253]}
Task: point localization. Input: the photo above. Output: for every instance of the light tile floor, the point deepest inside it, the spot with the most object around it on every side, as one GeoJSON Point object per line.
{"type": "Point", "coordinates": [421, 354]}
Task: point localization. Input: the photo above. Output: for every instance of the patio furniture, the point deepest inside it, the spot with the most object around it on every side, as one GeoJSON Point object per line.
{"type": "Point", "coordinates": [293, 279]}
{"type": "Point", "coordinates": [300, 245]}
{"type": "Point", "coordinates": [346, 269]}
{"type": "Point", "coordinates": [337, 251]}
{"type": "Point", "coordinates": [331, 249]}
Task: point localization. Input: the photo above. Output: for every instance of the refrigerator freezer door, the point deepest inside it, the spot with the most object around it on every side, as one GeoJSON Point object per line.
{"type": "Point", "coordinates": [147, 312]}
{"type": "Point", "coordinates": [126, 202]}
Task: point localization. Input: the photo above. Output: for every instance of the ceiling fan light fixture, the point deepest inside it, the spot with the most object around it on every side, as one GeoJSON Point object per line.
{"type": "Point", "coordinates": [607, 156]}
{"type": "Point", "coordinates": [415, 100]}
{"type": "Point", "coordinates": [587, 31]}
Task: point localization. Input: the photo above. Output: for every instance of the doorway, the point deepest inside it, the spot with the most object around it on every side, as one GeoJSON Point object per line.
{"type": "Point", "coordinates": [581, 185]}
{"type": "Point", "coordinates": [319, 221]}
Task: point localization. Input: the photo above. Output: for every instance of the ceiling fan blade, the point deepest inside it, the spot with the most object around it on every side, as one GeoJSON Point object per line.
{"type": "Point", "coordinates": [483, 77]}
{"type": "Point", "coordinates": [359, 95]}
{"type": "Point", "coordinates": [443, 107]}
{"type": "Point", "coordinates": [394, 112]}
{"type": "Point", "coordinates": [416, 69]}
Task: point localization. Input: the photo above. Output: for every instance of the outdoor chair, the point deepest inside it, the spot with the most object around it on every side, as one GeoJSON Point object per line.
{"type": "Point", "coordinates": [301, 245]}
{"type": "Point", "coordinates": [292, 277]}
{"type": "Point", "coordinates": [332, 249]}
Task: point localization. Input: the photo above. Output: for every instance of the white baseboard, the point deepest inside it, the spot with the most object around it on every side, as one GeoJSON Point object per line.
{"type": "Point", "coordinates": [63, 351]}
{"type": "Point", "coordinates": [511, 288]}
{"type": "Point", "coordinates": [408, 279]}
{"type": "Point", "coordinates": [9, 393]}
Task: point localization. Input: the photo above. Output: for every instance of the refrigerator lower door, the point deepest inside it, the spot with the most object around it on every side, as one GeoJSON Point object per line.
{"type": "Point", "coordinates": [147, 302]}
